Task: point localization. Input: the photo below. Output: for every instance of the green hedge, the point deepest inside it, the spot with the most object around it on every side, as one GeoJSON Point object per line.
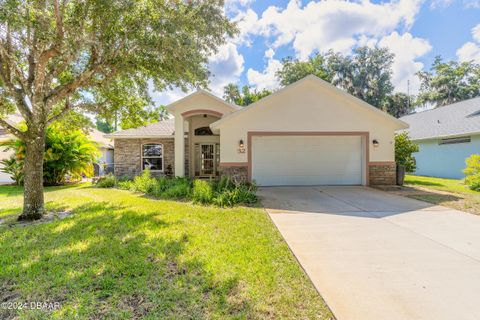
{"type": "Point", "coordinates": [222, 193]}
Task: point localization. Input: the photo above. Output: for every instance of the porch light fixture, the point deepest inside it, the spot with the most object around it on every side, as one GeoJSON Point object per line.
{"type": "Point", "coordinates": [241, 146]}
{"type": "Point", "coordinates": [375, 143]}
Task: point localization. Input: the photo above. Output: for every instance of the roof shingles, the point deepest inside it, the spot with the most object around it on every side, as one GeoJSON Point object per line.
{"type": "Point", "coordinates": [453, 120]}
{"type": "Point", "coordinates": [158, 129]}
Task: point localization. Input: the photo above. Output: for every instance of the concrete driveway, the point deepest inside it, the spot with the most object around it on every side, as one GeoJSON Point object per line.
{"type": "Point", "coordinates": [374, 255]}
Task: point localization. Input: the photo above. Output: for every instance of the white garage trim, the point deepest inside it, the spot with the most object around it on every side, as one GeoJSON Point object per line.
{"type": "Point", "coordinates": [363, 134]}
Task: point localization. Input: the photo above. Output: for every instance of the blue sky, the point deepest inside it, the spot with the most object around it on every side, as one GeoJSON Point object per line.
{"type": "Point", "coordinates": [414, 30]}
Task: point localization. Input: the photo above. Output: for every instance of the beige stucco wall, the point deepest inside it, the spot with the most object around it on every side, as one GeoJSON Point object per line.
{"type": "Point", "coordinates": [308, 107]}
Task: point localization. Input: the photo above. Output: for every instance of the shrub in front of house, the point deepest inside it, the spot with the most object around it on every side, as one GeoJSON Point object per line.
{"type": "Point", "coordinates": [107, 181]}
{"type": "Point", "coordinates": [144, 183]}
{"type": "Point", "coordinates": [223, 193]}
{"type": "Point", "coordinates": [472, 172]}
{"type": "Point", "coordinates": [202, 192]}
{"type": "Point", "coordinates": [69, 155]}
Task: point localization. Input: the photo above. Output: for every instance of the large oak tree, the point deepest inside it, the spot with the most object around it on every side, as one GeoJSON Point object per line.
{"type": "Point", "coordinates": [61, 55]}
{"type": "Point", "coordinates": [449, 82]}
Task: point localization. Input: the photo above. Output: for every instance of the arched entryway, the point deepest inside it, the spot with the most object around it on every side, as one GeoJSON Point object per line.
{"type": "Point", "coordinates": [203, 146]}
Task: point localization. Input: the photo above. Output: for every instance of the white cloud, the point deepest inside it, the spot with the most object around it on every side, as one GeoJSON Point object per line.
{"type": "Point", "coordinates": [442, 4]}
{"type": "Point", "coordinates": [247, 23]}
{"type": "Point", "coordinates": [265, 79]}
{"type": "Point", "coordinates": [226, 66]}
{"type": "Point", "coordinates": [166, 97]}
{"type": "Point", "coordinates": [269, 53]}
{"type": "Point", "coordinates": [436, 4]}
{"type": "Point", "coordinates": [471, 50]}
{"type": "Point", "coordinates": [407, 50]}
{"type": "Point", "coordinates": [476, 33]}
{"type": "Point", "coordinates": [319, 26]}
{"type": "Point", "coordinates": [236, 5]}
{"type": "Point", "coordinates": [475, 4]}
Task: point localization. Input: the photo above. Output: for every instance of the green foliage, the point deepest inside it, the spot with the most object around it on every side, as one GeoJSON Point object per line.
{"type": "Point", "coordinates": [404, 148]}
{"type": "Point", "coordinates": [74, 120]}
{"type": "Point", "coordinates": [14, 168]}
{"type": "Point", "coordinates": [69, 155]}
{"type": "Point", "coordinates": [399, 104]}
{"type": "Point", "coordinates": [108, 181]}
{"type": "Point", "coordinates": [293, 69]}
{"type": "Point", "coordinates": [202, 191]}
{"type": "Point", "coordinates": [472, 172]}
{"type": "Point", "coordinates": [177, 189]}
{"type": "Point", "coordinates": [449, 82]}
{"type": "Point", "coordinates": [144, 183]}
{"type": "Point", "coordinates": [223, 193]}
{"type": "Point", "coordinates": [366, 74]}
{"type": "Point", "coordinates": [127, 104]}
{"type": "Point", "coordinates": [104, 126]}
{"type": "Point", "coordinates": [229, 193]}
{"type": "Point", "coordinates": [246, 96]}
{"type": "Point", "coordinates": [240, 194]}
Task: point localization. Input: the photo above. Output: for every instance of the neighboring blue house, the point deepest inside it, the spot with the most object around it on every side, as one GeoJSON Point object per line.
{"type": "Point", "coordinates": [446, 137]}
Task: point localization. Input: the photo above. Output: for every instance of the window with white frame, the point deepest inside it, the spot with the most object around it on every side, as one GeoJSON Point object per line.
{"type": "Point", "coordinates": [152, 157]}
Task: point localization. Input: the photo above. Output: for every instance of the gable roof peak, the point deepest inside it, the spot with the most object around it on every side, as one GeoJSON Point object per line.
{"type": "Point", "coordinates": [200, 91]}
{"type": "Point", "coordinates": [324, 84]}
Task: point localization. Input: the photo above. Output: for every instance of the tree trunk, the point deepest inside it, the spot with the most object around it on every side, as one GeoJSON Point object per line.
{"type": "Point", "coordinates": [33, 201]}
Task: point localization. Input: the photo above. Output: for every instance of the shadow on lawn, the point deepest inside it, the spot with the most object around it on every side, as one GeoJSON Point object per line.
{"type": "Point", "coordinates": [417, 182]}
{"type": "Point", "coordinates": [14, 190]}
{"type": "Point", "coordinates": [108, 261]}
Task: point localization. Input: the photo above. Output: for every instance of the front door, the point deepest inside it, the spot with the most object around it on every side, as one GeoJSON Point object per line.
{"type": "Point", "coordinates": [207, 157]}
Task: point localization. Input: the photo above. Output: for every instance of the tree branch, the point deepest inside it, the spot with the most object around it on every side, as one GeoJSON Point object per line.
{"type": "Point", "coordinates": [62, 91]}
{"type": "Point", "coordinates": [16, 93]}
{"type": "Point", "coordinates": [58, 21]}
{"type": "Point", "coordinates": [7, 126]}
{"type": "Point", "coordinates": [67, 108]}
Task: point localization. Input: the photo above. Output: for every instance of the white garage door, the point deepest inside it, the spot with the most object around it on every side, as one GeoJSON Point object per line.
{"type": "Point", "coordinates": [307, 160]}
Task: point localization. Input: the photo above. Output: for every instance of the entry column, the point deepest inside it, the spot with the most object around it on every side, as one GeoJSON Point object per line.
{"type": "Point", "coordinates": [179, 146]}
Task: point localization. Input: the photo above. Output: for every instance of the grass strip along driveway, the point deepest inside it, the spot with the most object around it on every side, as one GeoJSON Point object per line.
{"type": "Point", "coordinates": [121, 255]}
{"type": "Point", "coordinates": [451, 193]}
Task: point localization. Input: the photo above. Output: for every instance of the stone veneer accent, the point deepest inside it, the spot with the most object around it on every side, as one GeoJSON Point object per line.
{"type": "Point", "coordinates": [382, 174]}
{"type": "Point", "coordinates": [127, 155]}
{"type": "Point", "coordinates": [236, 173]}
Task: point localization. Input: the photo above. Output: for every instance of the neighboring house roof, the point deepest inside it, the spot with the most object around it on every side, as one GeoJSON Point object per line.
{"type": "Point", "coordinates": [99, 138]}
{"type": "Point", "coordinates": [461, 118]}
{"type": "Point", "coordinates": [160, 129]}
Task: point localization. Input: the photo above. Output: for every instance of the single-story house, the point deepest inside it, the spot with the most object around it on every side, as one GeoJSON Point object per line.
{"type": "Point", "coordinates": [308, 133]}
{"type": "Point", "coordinates": [446, 136]}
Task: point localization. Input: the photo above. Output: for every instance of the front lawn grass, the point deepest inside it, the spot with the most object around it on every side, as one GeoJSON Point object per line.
{"type": "Point", "coordinates": [122, 255]}
{"type": "Point", "coordinates": [442, 184]}
{"type": "Point", "coordinates": [447, 192]}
